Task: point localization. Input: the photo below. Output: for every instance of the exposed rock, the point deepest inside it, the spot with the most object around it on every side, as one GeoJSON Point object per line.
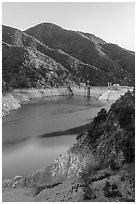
{"type": "Point", "coordinates": [14, 99]}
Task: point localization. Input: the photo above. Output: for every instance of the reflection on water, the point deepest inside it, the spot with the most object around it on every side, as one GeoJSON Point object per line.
{"type": "Point", "coordinates": [24, 148]}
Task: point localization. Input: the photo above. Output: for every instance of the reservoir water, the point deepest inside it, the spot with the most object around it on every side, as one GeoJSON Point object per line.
{"type": "Point", "coordinates": [34, 135]}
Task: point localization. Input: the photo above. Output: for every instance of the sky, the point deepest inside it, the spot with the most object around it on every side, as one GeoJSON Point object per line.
{"type": "Point", "coordinates": [114, 22]}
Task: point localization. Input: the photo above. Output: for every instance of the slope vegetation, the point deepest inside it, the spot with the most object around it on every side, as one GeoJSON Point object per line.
{"type": "Point", "coordinates": [85, 47]}
{"type": "Point", "coordinates": [24, 67]}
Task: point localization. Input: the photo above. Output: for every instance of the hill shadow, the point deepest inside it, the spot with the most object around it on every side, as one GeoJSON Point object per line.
{"type": "Point", "coordinates": [71, 131]}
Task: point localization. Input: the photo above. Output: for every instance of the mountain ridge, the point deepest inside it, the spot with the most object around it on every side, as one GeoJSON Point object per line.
{"type": "Point", "coordinates": [77, 70]}
{"type": "Point", "coordinates": [48, 34]}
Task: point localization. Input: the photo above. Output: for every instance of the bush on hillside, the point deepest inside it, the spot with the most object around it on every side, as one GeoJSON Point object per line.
{"type": "Point", "coordinates": [117, 126]}
{"type": "Point", "coordinates": [96, 129]}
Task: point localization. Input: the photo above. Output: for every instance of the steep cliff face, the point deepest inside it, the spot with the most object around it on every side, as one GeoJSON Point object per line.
{"type": "Point", "coordinates": [99, 166]}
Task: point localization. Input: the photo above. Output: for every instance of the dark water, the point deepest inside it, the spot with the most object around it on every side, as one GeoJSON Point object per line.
{"type": "Point", "coordinates": [34, 135]}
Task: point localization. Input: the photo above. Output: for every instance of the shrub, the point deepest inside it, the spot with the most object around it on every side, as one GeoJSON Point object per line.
{"type": "Point", "coordinates": [113, 165]}
{"type": "Point", "coordinates": [101, 116]}
{"type": "Point", "coordinates": [97, 128]}
{"type": "Point", "coordinates": [111, 191]}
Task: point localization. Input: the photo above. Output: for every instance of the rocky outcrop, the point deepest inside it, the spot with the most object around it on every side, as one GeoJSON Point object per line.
{"type": "Point", "coordinates": [10, 102]}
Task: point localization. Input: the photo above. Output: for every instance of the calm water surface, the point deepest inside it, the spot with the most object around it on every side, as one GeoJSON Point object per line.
{"type": "Point", "coordinates": [26, 145]}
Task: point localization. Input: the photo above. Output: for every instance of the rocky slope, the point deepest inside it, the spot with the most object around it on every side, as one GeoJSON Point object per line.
{"type": "Point", "coordinates": [46, 54]}
{"type": "Point", "coordinates": [99, 167]}
{"type": "Point", "coordinates": [24, 67]}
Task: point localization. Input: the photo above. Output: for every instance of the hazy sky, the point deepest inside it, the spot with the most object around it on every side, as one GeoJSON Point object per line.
{"type": "Point", "coordinates": [113, 22]}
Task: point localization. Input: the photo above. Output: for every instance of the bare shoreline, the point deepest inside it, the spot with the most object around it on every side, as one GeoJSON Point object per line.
{"type": "Point", "coordinates": [14, 99]}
